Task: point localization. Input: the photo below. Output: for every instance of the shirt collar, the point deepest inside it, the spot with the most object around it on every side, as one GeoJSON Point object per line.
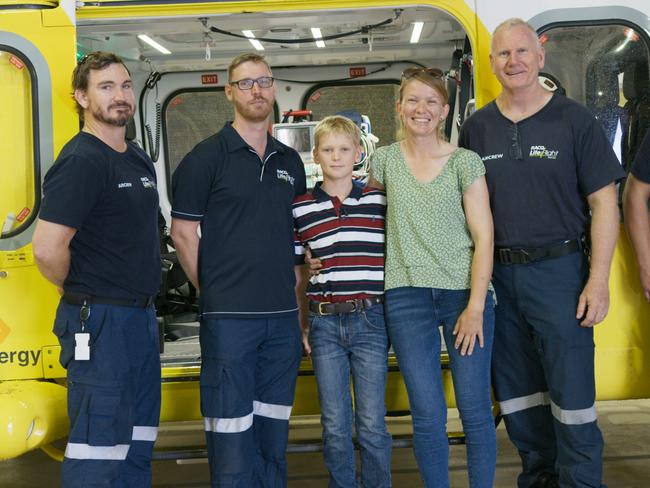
{"type": "Point", "coordinates": [234, 141]}
{"type": "Point", "coordinates": [322, 196]}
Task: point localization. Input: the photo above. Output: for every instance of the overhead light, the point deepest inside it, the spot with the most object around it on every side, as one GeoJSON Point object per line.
{"type": "Point", "coordinates": [417, 31]}
{"type": "Point", "coordinates": [315, 31]}
{"type": "Point", "coordinates": [251, 37]}
{"type": "Point", "coordinates": [153, 44]}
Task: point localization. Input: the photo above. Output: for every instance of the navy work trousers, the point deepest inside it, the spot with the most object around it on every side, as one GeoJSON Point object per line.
{"type": "Point", "coordinates": [113, 398]}
{"type": "Point", "coordinates": [543, 371]}
{"type": "Point", "coordinates": [248, 377]}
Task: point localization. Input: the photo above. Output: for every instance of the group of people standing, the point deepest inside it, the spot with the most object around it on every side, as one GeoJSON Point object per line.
{"type": "Point", "coordinates": [505, 243]}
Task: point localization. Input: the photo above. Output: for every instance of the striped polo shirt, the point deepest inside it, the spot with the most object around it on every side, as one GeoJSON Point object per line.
{"type": "Point", "coordinates": [348, 237]}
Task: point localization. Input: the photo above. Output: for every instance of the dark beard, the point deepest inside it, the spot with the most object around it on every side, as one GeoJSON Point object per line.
{"type": "Point", "coordinates": [117, 121]}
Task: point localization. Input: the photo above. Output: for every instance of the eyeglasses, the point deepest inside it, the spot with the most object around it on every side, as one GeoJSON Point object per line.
{"type": "Point", "coordinates": [247, 83]}
{"type": "Point", "coordinates": [515, 150]}
{"type": "Point", "coordinates": [433, 72]}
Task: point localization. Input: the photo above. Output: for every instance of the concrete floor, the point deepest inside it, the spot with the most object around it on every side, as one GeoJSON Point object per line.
{"type": "Point", "coordinates": [625, 426]}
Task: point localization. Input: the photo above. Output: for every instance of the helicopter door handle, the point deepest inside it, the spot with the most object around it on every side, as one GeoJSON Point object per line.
{"type": "Point", "coordinates": [3, 274]}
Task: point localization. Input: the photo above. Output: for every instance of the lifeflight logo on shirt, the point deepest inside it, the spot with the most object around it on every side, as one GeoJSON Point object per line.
{"type": "Point", "coordinates": [147, 183]}
{"type": "Point", "coordinates": [543, 153]}
{"type": "Point", "coordinates": [283, 174]}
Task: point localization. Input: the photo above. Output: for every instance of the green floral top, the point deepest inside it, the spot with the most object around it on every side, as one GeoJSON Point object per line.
{"type": "Point", "coordinates": [428, 243]}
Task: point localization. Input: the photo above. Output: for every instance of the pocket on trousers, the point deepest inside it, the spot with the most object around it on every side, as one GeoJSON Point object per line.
{"type": "Point", "coordinates": [66, 341]}
{"type": "Point", "coordinates": [221, 394]}
{"type": "Point", "coordinates": [374, 317]}
{"type": "Point", "coordinates": [103, 418]}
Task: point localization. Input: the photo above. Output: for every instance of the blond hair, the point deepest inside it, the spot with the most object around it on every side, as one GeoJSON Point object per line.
{"type": "Point", "coordinates": [339, 125]}
{"type": "Point", "coordinates": [245, 58]}
{"type": "Point", "coordinates": [435, 81]}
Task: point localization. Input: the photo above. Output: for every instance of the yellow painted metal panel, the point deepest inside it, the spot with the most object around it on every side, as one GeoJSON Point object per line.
{"type": "Point", "coordinates": [51, 366]}
{"type": "Point", "coordinates": [22, 3]}
{"type": "Point", "coordinates": [27, 300]}
{"type": "Point", "coordinates": [32, 413]}
{"type": "Point", "coordinates": [29, 323]}
{"type": "Point", "coordinates": [623, 339]}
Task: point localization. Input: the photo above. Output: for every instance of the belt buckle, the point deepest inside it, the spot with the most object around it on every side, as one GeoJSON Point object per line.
{"type": "Point", "coordinates": [525, 256]}
{"type": "Point", "coordinates": [355, 305]}
{"type": "Point", "coordinates": [504, 255]}
{"type": "Point", "coordinates": [320, 308]}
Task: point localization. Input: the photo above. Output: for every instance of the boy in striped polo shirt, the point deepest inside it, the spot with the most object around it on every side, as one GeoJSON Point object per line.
{"type": "Point", "coordinates": [342, 224]}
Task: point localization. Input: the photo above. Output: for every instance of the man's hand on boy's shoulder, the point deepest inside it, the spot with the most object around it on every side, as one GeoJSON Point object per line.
{"type": "Point", "coordinates": [314, 263]}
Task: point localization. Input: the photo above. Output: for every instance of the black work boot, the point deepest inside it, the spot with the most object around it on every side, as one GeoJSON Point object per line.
{"type": "Point", "coordinates": [546, 480]}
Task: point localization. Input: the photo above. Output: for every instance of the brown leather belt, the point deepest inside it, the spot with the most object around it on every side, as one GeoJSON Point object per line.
{"type": "Point", "coordinates": [331, 308]}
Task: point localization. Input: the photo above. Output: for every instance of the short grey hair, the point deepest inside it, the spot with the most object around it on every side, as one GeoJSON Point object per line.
{"type": "Point", "coordinates": [509, 24]}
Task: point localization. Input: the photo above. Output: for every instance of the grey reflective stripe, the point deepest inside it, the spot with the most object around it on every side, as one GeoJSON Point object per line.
{"type": "Point", "coordinates": [144, 433]}
{"type": "Point", "coordinates": [522, 403]}
{"type": "Point", "coordinates": [252, 313]}
{"type": "Point", "coordinates": [185, 213]}
{"type": "Point", "coordinates": [85, 451]}
{"type": "Point", "coordinates": [228, 426]}
{"type": "Point", "coordinates": [574, 417]}
{"type": "Point", "coordinates": [279, 412]}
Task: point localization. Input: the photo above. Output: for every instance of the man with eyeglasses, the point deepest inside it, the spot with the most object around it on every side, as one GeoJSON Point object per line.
{"type": "Point", "coordinates": [552, 176]}
{"type": "Point", "coordinates": [237, 186]}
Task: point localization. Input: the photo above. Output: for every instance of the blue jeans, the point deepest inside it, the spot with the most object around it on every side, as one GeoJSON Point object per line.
{"type": "Point", "coordinates": [353, 343]}
{"type": "Point", "coordinates": [413, 316]}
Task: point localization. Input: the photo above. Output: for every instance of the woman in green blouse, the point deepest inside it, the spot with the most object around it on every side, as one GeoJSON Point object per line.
{"type": "Point", "coordinates": [438, 266]}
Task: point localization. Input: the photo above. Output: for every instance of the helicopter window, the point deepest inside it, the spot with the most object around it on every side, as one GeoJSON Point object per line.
{"type": "Point", "coordinates": [376, 100]}
{"type": "Point", "coordinates": [19, 174]}
{"type": "Point", "coordinates": [605, 67]}
{"type": "Point", "coordinates": [189, 116]}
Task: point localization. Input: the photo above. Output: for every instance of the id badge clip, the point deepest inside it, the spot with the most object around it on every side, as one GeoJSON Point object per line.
{"type": "Point", "coordinates": [82, 339]}
{"type": "Point", "coordinates": [81, 346]}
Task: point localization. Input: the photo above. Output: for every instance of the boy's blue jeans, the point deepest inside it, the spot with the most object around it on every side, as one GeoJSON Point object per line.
{"type": "Point", "coordinates": [413, 316]}
{"type": "Point", "coordinates": [343, 345]}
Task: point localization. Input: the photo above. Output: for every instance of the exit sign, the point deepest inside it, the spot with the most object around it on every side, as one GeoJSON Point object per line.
{"type": "Point", "coordinates": [209, 79]}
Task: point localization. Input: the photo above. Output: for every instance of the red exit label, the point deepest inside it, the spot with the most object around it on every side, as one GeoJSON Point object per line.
{"type": "Point", "coordinates": [16, 62]}
{"type": "Point", "coordinates": [23, 214]}
{"type": "Point", "coordinates": [209, 79]}
{"type": "Point", "coordinates": [356, 72]}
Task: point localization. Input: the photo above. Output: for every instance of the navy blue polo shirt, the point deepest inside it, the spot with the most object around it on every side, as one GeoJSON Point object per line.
{"type": "Point", "coordinates": [641, 165]}
{"type": "Point", "coordinates": [243, 203]}
{"type": "Point", "coordinates": [538, 190]}
{"type": "Point", "coordinates": [111, 199]}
